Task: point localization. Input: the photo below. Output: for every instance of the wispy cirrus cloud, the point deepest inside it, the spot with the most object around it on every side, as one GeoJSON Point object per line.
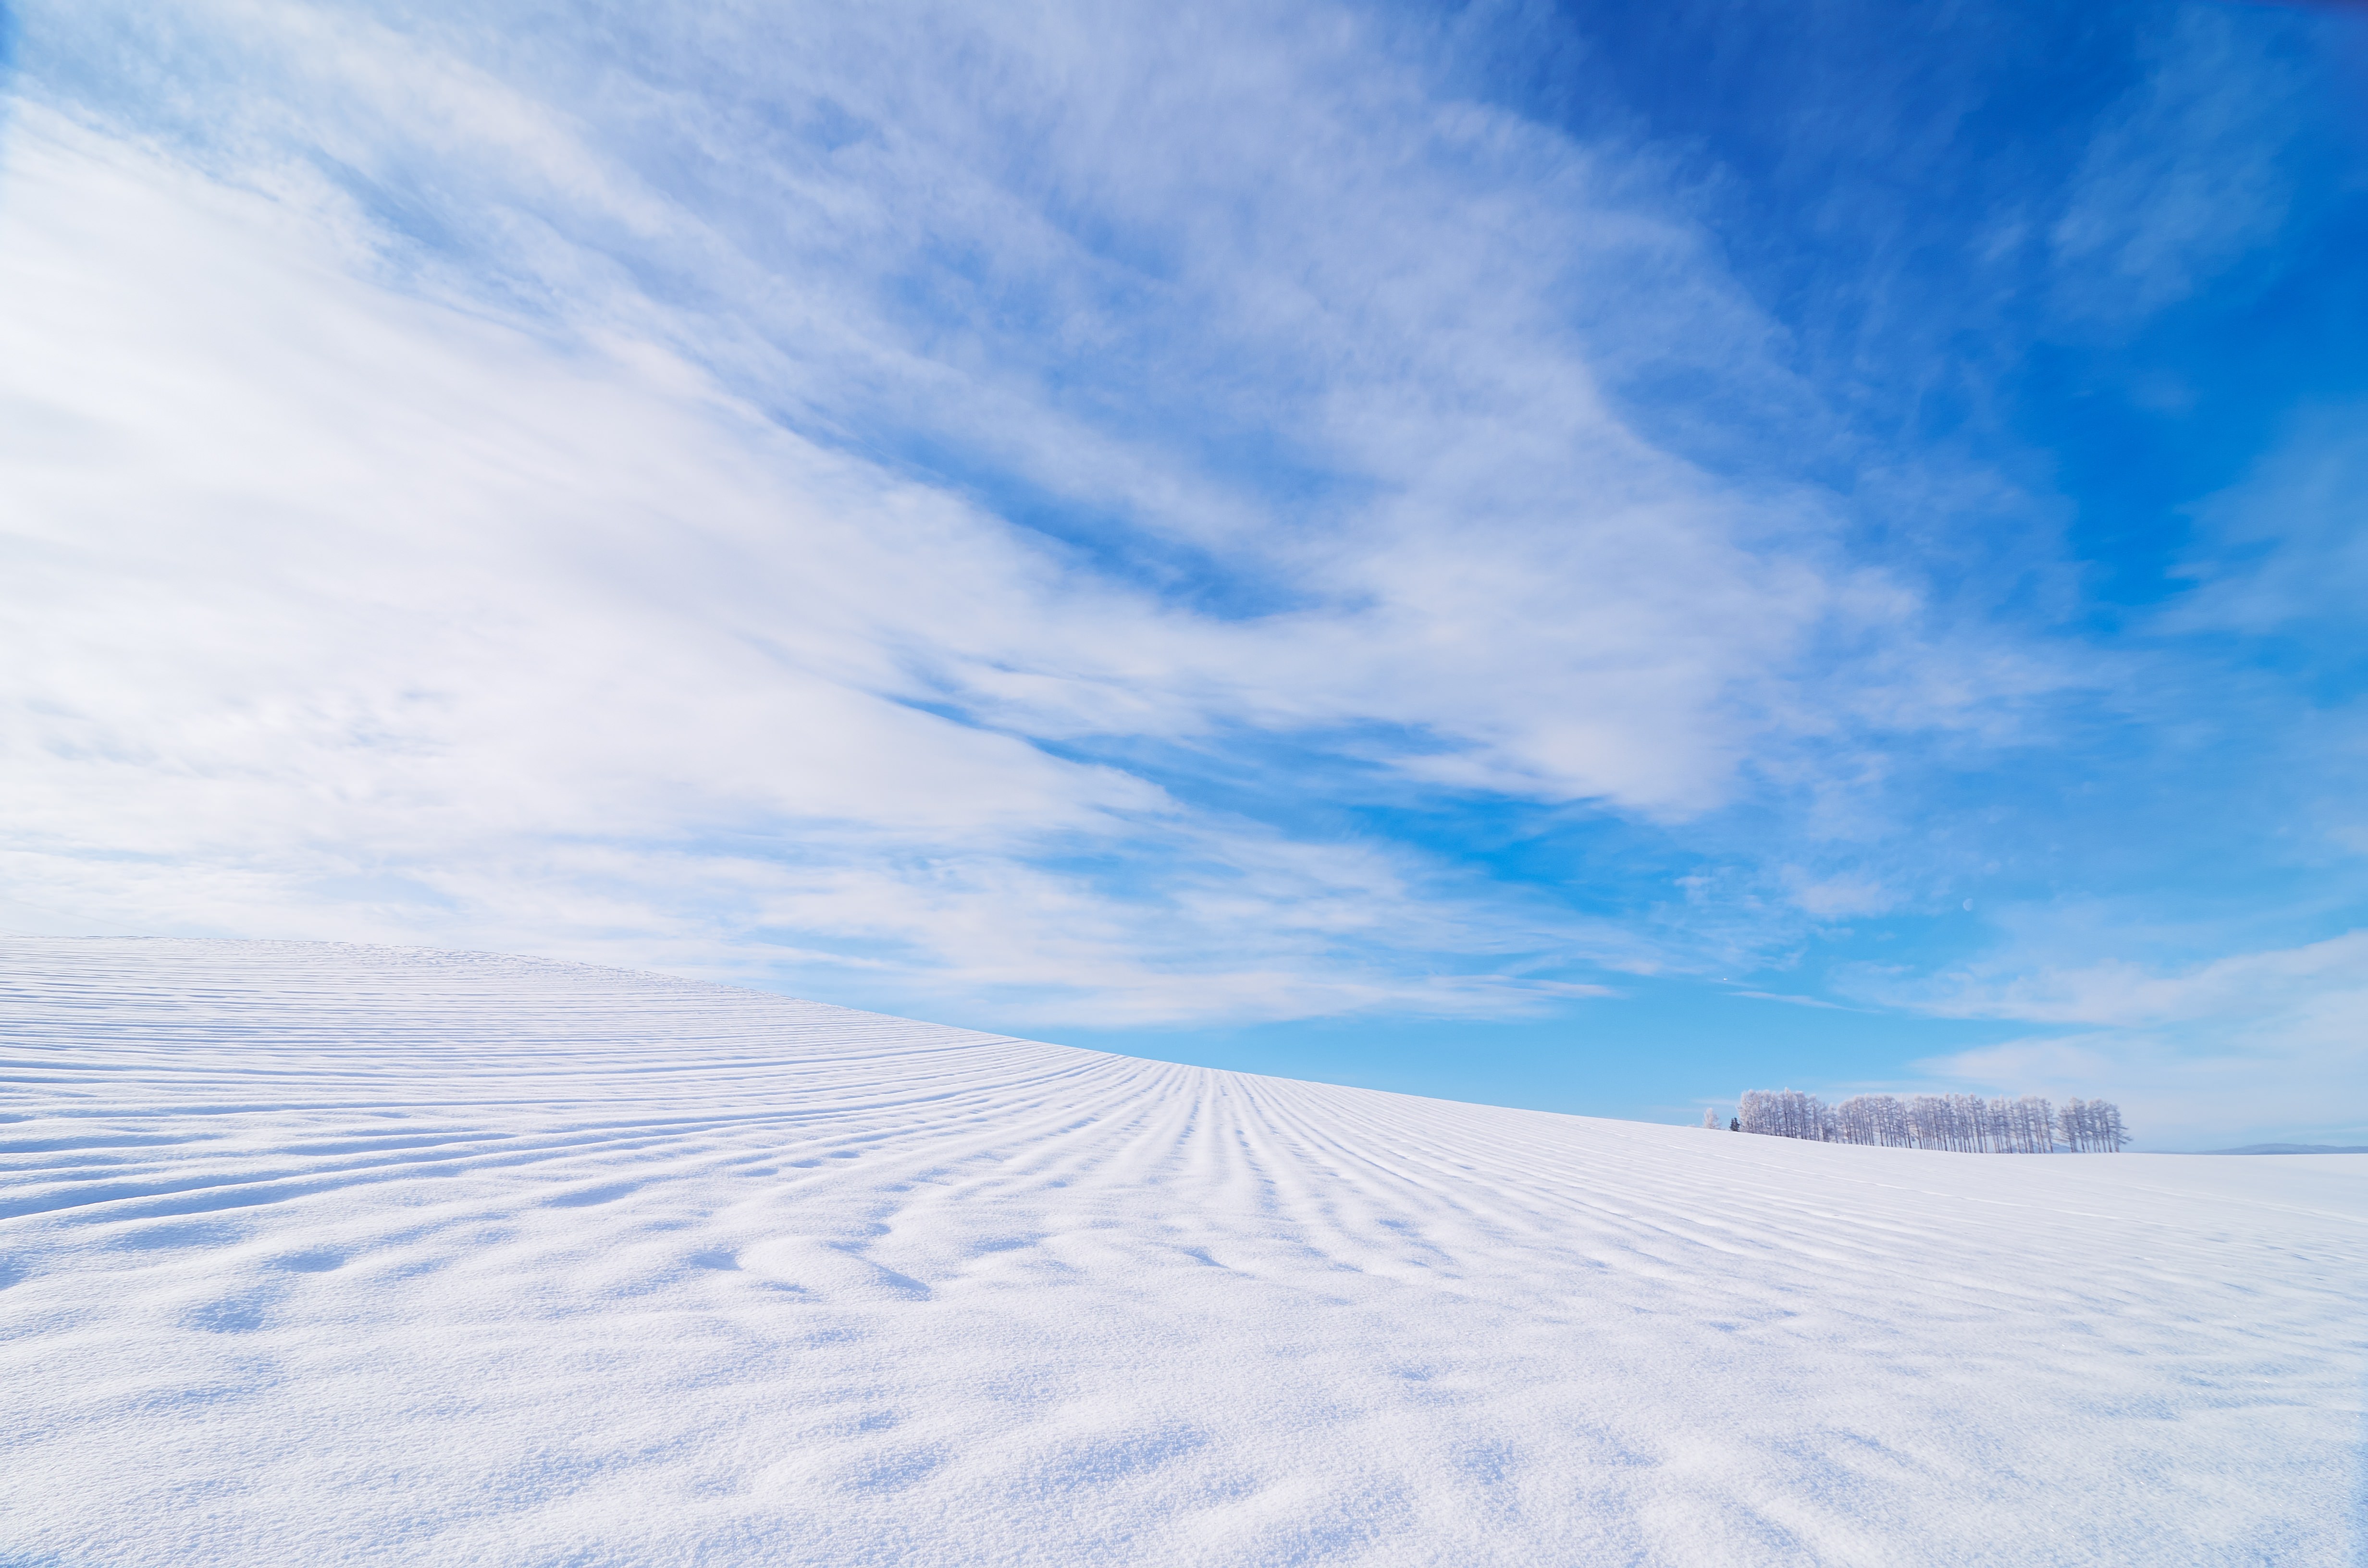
{"type": "Point", "coordinates": [1093, 514]}
{"type": "Point", "coordinates": [2186, 174]}
{"type": "Point", "coordinates": [2275, 1036]}
{"type": "Point", "coordinates": [739, 488]}
{"type": "Point", "coordinates": [338, 600]}
{"type": "Point", "coordinates": [2284, 551]}
{"type": "Point", "coordinates": [2311, 979]}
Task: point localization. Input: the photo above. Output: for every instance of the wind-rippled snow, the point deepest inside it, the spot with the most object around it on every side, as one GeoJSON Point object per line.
{"type": "Point", "coordinates": [329, 1255]}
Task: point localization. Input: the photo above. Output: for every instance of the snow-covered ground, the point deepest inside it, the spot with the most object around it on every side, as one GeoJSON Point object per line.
{"type": "Point", "coordinates": [327, 1255]}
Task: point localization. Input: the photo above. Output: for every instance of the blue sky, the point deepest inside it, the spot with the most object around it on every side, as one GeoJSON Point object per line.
{"type": "Point", "coordinates": [1592, 557]}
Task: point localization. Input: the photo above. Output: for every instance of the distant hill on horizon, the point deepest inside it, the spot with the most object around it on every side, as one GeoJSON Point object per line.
{"type": "Point", "coordinates": [2291, 1149]}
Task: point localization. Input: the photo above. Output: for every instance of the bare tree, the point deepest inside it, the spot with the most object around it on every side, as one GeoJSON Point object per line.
{"type": "Point", "coordinates": [1964, 1123]}
{"type": "Point", "coordinates": [1786, 1113]}
{"type": "Point", "coordinates": [1877, 1119]}
{"type": "Point", "coordinates": [1931, 1122]}
{"type": "Point", "coordinates": [2093, 1127]}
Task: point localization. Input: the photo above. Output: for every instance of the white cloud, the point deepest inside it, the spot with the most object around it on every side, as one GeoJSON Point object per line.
{"type": "Point", "coordinates": [696, 481]}
{"type": "Point", "coordinates": [2287, 548]}
{"type": "Point", "coordinates": [334, 613]}
{"type": "Point", "coordinates": [1046, 248]}
{"type": "Point", "coordinates": [2129, 994]}
{"type": "Point", "coordinates": [2186, 177]}
{"type": "Point", "coordinates": [1841, 896]}
{"type": "Point", "coordinates": [2271, 1043]}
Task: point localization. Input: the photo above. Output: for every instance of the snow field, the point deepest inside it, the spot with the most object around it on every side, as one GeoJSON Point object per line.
{"type": "Point", "coordinates": [323, 1255]}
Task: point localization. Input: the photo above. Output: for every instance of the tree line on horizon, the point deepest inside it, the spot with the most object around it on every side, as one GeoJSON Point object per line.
{"type": "Point", "coordinates": [1964, 1124]}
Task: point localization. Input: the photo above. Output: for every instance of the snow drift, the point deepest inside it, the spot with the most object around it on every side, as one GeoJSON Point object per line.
{"type": "Point", "coordinates": [320, 1254]}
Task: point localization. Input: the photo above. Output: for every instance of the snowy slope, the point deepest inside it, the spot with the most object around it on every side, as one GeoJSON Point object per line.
{"type": "Point", "coordinates": [325, 1254]}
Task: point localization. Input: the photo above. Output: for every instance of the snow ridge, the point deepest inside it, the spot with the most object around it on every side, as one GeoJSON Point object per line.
{"type": "Point", "coordinates": [312, 1253]}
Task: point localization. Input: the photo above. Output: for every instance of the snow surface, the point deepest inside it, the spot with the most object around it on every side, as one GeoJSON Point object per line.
{"type": "Point", "coordinates": [329, 1255]}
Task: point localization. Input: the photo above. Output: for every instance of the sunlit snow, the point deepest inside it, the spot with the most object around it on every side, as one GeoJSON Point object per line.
{"type": "Point", "coordinates": [327, 1255]}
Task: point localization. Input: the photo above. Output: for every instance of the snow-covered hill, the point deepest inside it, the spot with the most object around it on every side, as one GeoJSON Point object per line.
{"type": "Point", "coordinates": [330, 1254]}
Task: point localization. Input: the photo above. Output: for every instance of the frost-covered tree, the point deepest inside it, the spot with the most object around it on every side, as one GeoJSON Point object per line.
{"type": "Point", "coordinates": [1933, 1123]}
{"type": "Point", "coordinates": [2093, 1127]}
{"type": "Point", "coordinates": [1710, 1117]}
{"type": "Point", "coordinates": [1964, 1123]}
{"type": "Point", "coordinates": [1784, 1113]}
{"type": "Point", "coordinates": [1877, 1119]}
{"type": "Point", "coordinates": [2034, 1125]}
{"type": "Point", "coordinates": [1852, 1120]}
{"type": "Point", "coordinates": [2025, 1126]}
